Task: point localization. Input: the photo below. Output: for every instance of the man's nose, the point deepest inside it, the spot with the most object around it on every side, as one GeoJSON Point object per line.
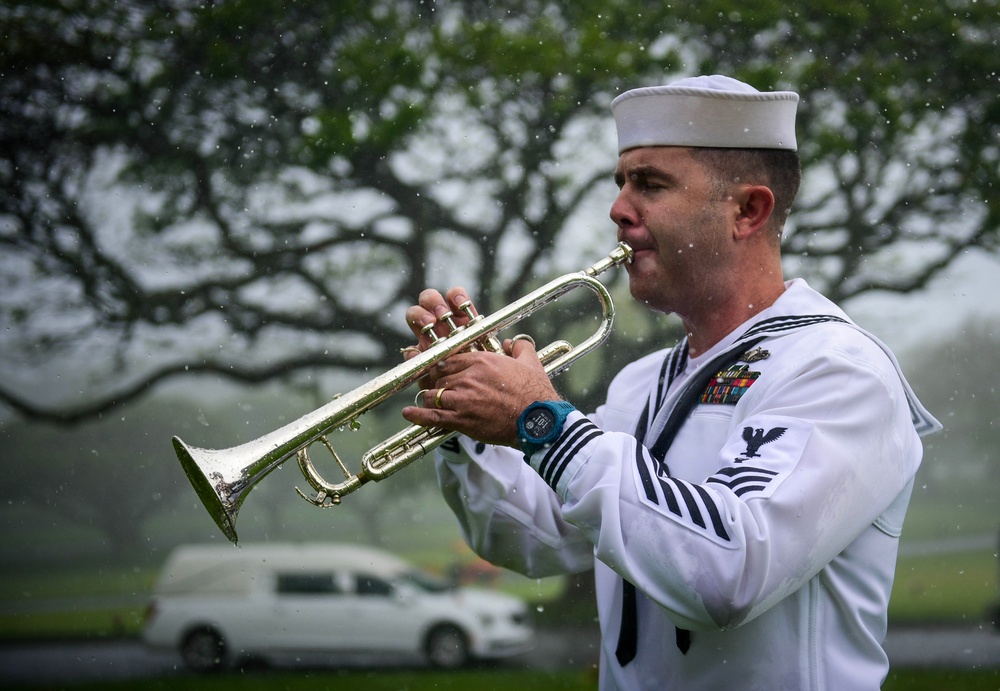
{"type": "Point", "coordinates": [622, 212]}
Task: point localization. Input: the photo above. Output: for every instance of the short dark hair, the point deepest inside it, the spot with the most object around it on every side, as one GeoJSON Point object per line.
{"type": "Point", "coordinates": [778, 169]}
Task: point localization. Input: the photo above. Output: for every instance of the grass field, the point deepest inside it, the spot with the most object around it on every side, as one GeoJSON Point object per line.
{"type": "Point", "coordinates": [505, 680]}
{"type": "Point", "coordinates": [954, 587]}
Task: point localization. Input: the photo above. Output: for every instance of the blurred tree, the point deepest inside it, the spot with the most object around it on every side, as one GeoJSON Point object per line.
{"type": "Point", "coordinates": [109, 475]}
{"type": "Point", "coordinates": [116, 478]}
{"type": "Point", "coordinates": [955, 376]}
{"type": "Point", "coordinates": [257, 189]}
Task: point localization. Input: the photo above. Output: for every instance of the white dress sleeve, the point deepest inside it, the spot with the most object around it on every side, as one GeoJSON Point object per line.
{"type": "Point", "coordinates": [507, 513]}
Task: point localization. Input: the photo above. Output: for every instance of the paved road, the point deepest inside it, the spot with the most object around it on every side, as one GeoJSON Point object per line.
{"type": "Point", "coordinates": [70, 661]}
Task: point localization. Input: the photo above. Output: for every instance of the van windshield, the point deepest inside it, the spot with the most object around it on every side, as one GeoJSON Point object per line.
{"type": "Point", "coordinates": [426, 581]}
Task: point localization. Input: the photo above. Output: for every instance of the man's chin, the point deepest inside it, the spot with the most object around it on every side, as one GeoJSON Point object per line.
{"type": "Point", "coordinates": [649, 293]}
{"type": "Point", "coordinates": [641, 292]}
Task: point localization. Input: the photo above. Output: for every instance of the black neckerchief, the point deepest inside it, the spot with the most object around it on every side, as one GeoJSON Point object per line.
{"type": "Point", "coordinates": [628, 633]}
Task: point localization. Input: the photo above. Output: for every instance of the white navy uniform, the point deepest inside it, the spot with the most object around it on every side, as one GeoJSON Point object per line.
{"type": "Point", "coordinates": [769, 530]}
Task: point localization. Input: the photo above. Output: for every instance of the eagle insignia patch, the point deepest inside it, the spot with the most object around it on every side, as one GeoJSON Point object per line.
{"type": "Point", "coordinates": [729, 385]}
{"type": "Point", "coordinates": [756, 438]}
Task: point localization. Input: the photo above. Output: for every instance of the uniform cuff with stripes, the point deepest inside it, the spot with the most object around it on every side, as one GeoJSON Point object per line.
{"type": "Point", "coordinates": [558, 463]}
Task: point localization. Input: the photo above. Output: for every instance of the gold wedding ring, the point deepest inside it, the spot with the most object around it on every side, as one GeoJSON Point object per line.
{"type": "Point", "coordinates": [437, 398]}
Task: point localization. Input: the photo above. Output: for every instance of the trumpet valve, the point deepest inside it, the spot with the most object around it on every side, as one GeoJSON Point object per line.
{"type": "Point", "coordinates": [491, 344]}
{"type": "Point", "coordinates": [449, 319]}
{"type": "Point", "coordinates": [428, 331]}
{"type": "Point", "coordinates": [469, 309]}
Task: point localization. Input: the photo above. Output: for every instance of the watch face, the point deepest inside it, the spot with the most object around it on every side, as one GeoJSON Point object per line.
{"type": "Point", "coordinates": [539, 423]}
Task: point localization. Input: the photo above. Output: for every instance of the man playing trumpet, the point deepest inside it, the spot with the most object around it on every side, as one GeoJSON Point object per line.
{"type": "Point", "coordinates": [740, 496]}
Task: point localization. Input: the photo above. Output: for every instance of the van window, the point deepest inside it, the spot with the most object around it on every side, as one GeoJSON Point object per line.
{"type": "Point", "coordinates": [307, 584]}
{"type": "Point", "coordinates": [372, 585]}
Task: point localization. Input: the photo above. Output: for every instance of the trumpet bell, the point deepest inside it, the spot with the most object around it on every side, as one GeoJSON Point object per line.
{"type": "Point", "coordinates": [205, 470]}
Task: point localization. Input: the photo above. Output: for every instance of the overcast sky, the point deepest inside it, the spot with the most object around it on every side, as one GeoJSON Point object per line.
{"type": "Point", "coordinates": [969, 289]}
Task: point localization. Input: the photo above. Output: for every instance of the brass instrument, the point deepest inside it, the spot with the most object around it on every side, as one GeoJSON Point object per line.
{"type": "Point", "coordinates": [223, 477]}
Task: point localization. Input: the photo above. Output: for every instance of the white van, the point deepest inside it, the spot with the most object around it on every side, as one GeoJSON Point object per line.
{"type": "Point", "coordinates": [223, 605]}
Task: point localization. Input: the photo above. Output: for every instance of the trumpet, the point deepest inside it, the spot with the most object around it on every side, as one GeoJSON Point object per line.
{"type": "Point", "coordinates": [222, 478]}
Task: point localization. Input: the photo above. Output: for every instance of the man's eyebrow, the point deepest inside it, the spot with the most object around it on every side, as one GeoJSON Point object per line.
{"type": "Point", "coordinates": [641, 172]}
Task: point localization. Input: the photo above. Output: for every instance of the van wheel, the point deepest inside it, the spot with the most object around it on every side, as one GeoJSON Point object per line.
{"type": "Point", "coordinates": [203, 650]}
{"type": "Point", "coordinates": [446, 647]}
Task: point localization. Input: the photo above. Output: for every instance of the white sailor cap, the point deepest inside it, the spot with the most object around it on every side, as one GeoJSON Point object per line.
{"type": "Point", "coordinates": [709, 111]}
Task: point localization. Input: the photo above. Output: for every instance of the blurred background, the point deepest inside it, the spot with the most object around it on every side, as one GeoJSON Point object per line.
{"type": "Point", "coordinates": [213, 215]}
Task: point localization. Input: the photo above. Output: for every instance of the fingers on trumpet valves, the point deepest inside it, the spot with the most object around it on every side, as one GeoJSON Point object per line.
{"type": "Point", "coordinates": [431, 332]}
{"type": "Point", "coordinates": [449, 319]}
{"type": "Point", "coordinates": [468, 309]}
{"type": "Point", "coordinates": [428, 331]}
{"type": "Point", "coordinates": [436, 316]}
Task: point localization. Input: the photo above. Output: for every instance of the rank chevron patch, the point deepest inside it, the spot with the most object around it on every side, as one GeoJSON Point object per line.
{"type": "Point", "coordinates": [743, 480]}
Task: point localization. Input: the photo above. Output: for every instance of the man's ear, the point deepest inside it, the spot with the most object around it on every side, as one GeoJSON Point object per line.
{"type": "Point", "coordinates": [756, 206]}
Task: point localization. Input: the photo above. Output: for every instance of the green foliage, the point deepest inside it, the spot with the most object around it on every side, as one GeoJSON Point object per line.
{"type": "Point", "coordinates": [233, 163]}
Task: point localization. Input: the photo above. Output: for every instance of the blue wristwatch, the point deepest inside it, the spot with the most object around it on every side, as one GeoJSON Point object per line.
{"type": "Point", "coordinates": [540, 424]}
